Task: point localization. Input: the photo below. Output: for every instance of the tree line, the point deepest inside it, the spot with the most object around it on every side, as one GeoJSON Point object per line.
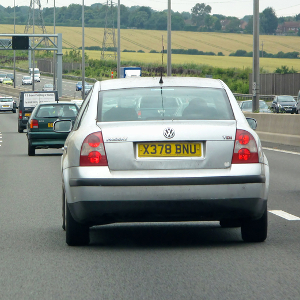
{"type": "Point", "coordinates": [200, 18]}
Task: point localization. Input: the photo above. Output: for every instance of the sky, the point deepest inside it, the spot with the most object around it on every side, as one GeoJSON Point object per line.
{"type": "Point", "coordinates": [235, 8]}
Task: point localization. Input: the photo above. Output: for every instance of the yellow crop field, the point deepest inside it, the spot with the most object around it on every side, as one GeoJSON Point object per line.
{"type": "Point", "coordinates": [268, 64]}
{"type": "Point", "coordinates": [146, 40]}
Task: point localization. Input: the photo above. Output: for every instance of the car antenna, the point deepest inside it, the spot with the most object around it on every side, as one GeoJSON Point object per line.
{"type": "Point", "coordinates": [162, 60]}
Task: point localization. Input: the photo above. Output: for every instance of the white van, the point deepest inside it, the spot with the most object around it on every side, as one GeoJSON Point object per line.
{"type": "Point", "coordinates": [37, 75]}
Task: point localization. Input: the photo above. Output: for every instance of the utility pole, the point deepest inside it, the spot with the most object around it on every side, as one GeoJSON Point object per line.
{"type": "Point", "coordinates": [169, 54]}
{"type": "Point", "coordinates": [109, 38]}
{"type": "Point", "coordinates": [119, 41]}
{"type": "Point", "coordinates": [33, 46]}
{"type": "Point", "coordinates": [14, 50]}
{"type": "Point", "coordinates": [54, 52]}
{"type": "Point", "coordinates": [82, 54]}
{"type": "Point", "coordinates": [255, 72]}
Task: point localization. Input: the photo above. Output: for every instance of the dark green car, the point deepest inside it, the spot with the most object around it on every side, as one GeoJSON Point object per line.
{"type": "Point", "coordinates": [40, 132]}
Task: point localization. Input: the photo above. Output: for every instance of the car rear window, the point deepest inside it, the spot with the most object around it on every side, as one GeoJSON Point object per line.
{"type": "Point", "coordinates": [56, 111]}
{"type": "Point", "coordinates": [173, 103]}
{"type": "Point", "coordinates": [6, 100]}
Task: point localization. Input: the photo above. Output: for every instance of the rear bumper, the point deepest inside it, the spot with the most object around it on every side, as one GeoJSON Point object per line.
{"type": "Point", "coordinates": [104, 212]}
{"type": "Point", "coordinates": [7, 108]}
{"type": "Point", "coordinates": [46, 140]}
{"type": "Point", "coordinates": [187, 195]}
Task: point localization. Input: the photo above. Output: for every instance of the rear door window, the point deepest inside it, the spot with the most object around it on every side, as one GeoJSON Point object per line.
{"type": "Point", "coordinates": [174, 103]}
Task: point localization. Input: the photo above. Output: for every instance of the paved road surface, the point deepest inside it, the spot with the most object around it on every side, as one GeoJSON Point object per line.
{"type": "Point", "coordinates": [188, 260]}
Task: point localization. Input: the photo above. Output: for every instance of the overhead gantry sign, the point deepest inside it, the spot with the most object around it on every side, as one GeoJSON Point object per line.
{"type": "Point", "coordinates": [49, 42]}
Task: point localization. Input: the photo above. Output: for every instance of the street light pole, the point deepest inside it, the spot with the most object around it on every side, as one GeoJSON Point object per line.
{"type": "Point", "coordinates": [169, 64]}
{"type": "Point", "coordinates": [82, 53]}
{"type": "Point", "coordinates": [14, 50]}
{"type": "Point", "coordinates": [54, 53]}
{"type": "Point", "coordinates": [255, 72]}
{"type": "Point", "coordinates": [33, 58]}
{"type": "Point", "coordinates": [119, 41]}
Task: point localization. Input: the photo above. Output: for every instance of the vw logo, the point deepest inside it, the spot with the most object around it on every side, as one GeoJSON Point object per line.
{"type": "Point", "coordinates": [169, 133]}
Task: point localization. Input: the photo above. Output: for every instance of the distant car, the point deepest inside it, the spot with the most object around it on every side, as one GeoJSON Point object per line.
{"type": "Point", "coordinates": [78, 102]}
{"type": "Point", "coordinates": [2, 76]}
{"type": "Point", "coordinates": [37, 77]}
{"type": "Point", "coordinates": [40, 132]}
{"type": "Point", "coordinates": [48, 87]}
{"type": "Point", "coordinates": [247, 106]}
{"type": "Point", "coordinates": [27, 80]}
{"type": "Point", "coordinates": [8, 104]}
{"type": "Point", "coordinates": [11, 76]}
{"type": "Point", "coordinates": [152, 150]}
{"type": "Point", "coordinates": [79, 86]}
{"type": "Point", "coordinates": [87, 88]}
{"type": "Point", "coordinates": [7, 81]}
{"type": "Point", "coordinates": [284, 104]}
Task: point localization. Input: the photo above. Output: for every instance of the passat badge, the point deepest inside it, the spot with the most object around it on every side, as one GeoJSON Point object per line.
{"type": "Point", "coordinates": [169, 133]}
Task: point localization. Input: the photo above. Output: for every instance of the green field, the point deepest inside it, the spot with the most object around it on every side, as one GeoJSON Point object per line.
{"type": "Point", "coordinates": [268, 64]}
{"type": "Point", "coordinates": [146, 40]}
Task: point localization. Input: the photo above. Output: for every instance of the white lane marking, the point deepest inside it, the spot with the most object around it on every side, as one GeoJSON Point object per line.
{"type": "Point", "coordinates": [283, 151]}
{"type": "Point", "coordinates": [284, 215]}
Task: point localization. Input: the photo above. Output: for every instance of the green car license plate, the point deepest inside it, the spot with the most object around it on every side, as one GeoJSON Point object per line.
{"type": "Point", "coordinates": [173, 149]}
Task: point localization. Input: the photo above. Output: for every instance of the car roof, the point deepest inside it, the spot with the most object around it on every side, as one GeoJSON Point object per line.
{"type": "Point", "coordinates": [140, 82]}
{"type": "Point", "coordinates": [57, 103]}
{"type": "Point", "coordinates": [5, 97]}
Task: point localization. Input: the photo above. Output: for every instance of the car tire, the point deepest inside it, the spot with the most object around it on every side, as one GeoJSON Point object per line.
{"type": "Point", "coordinates": [20, 130]}
{"type": "Point", "coordinates": [76, 234]}
{"type": "Point", "coordinates": [63, 210]}
{"type": "Point", "coordinates": [31, 149]}
{"type": "Point", "coordinates": [230, 223]}
{"type": "Point", "coordinates": [256, 230]}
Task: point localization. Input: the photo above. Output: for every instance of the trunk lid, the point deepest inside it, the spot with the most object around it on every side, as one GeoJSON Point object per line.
{"type": "Point", "coordinates": [214, 141]}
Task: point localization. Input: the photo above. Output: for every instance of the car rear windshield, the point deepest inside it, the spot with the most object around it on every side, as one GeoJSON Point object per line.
{"type": "Point", "coordinates": [168, 103]}
{"type": "Point", "coordinates": [57, 111]}
{"type": "Point", "coordinates": [286, 99]}
{"type": "Point", "coordinates": [6, 100]}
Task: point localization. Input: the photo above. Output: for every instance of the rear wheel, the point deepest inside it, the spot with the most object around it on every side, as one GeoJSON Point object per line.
{"type": "Point", "coordinates": [20, 130]}
{"type": "Point", "coordinates": [230, 223]}
{"type": "Point", "coordinates": [63, 210]}
{"type": "Point", "coordinates": [31, 149]}
{"type": "Point", "coordinates": [256, 230]}
{"type": "Point", "coordinates": [76, 233]}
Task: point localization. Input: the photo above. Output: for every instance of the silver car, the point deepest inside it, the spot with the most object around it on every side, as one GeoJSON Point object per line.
{"type": "Point", "coordinates": [7, 104]}
{"type": "Point", "coordinates": [180, 149]}
{"type": "Point", "coordinates": [247, 106]}
{"type": "Point", "coordinates": [27, 80]}
{"type": "Point", "coordinates": [48, 87]}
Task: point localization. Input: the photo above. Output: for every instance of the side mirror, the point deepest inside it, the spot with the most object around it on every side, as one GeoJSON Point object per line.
{"type": "Point", "coordinates": [62, 126]}
{"type": "Point", "coordinates": [252, 123]}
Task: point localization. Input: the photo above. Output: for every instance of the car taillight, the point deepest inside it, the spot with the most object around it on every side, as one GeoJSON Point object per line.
{"type": "Point", "coordinates": [34, 123]}
{"type": "Point", "coordinates": [245, 148]}
{"type": "Point", "coordinates": [20, 114]}
{"type": "Point", "coordinates": [92, 151]}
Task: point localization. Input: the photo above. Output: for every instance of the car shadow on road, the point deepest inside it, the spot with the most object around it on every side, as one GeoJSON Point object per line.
{"type": "Point", "coordinates": [162, 235]}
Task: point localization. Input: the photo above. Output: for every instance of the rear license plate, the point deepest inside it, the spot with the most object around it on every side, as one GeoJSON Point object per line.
{"type": "Point", "coordinates": [5, 105]}
{"type": "Point", "coordinates": [50, 124]}
{"type": "Point", "coordinates": [27, 114]}
{"type": "Point", "coordinates": [174, 149]}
